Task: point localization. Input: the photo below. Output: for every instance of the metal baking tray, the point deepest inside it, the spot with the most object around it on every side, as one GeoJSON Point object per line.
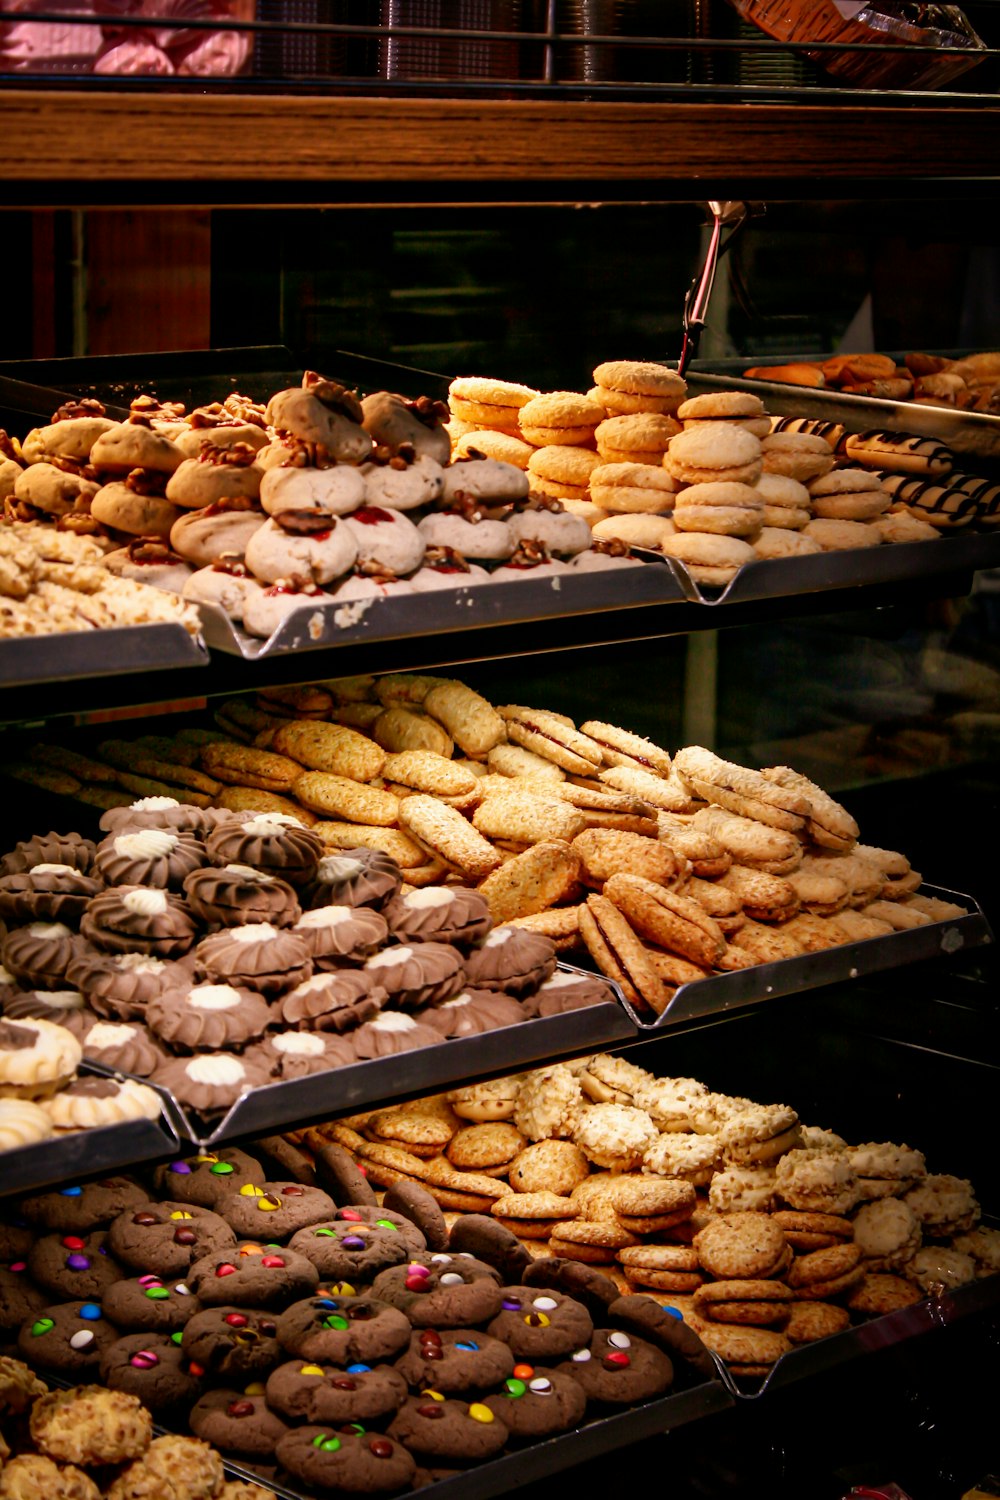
{"type": "Point", "coordinates": [422, 1071]}
{"type": "Point", "coordinates": [807, 1360]}
{"type": "Point", "coordinates": [973, 434]}
{"type": "Point", "coordinates": [82, 1153]}
{"type": "Point", "coordinates": [445, 611]}
{"type": "Point", "coordinates": [539, 1460]}
{"type": "Point", "coordinates": [100, 652]}
{"type": "Point", "coordinates": [788, 976]}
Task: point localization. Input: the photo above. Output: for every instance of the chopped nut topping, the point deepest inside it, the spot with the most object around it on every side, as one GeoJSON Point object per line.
{"type": "Point", "coordinates": [239, 456]}
{"type": "Point", "coordinates": [78, 466]}
{"type": "Point", "coordinates": [306, 522]}
{"type": "Point", "coordinates": [231, 563]}
{"type": "Point", "coordinates": [332, 395]}
{"type": "Point", "coordinates": [397, 456]}
{"type": "Point", "coordinates": [145, 481]}
{"type": "Point", "coordinates": [152, 406]}
{"type": "Point", "coordinates": [446, 558]}
{"type": "Point", "coordinates": [89, 406]}
{"type": "Point", "coordinates": [10, 447]}
{"type": "Point", "coordinates": [245, 409]}
{"type": "Point", "coordinates": [303, 455]}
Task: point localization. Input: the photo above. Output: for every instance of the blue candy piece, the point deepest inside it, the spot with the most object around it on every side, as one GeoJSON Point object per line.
{"type": "Point", "coordinates": [91, 1311]}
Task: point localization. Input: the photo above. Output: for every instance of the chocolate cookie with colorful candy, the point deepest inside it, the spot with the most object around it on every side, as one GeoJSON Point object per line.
{"type": "Point", "coordinates": [358, 1463]}
{"type": "Point", "coordinates": [541, 1324]}
{"type": "Point", "coordinates": [73, 1266]}
{"type": "Point", "coordinates": [19, 1299]}
{"type": "Point", "coordinates": [253, 1276]}
{"type": "Point", "coordinates": [343, 1330]}
{"type": "Point", "coordinates": [77, 1209]}
{"type": "Point", "coordinates": [167, 1238]}
{"type": "Point", "coordinates": [350, 1252]}
{"type": "Point", "coordinates": [207, 1178]}
{"type": "Point", "coordinates": [343, 1179]}
{"type": "Point", "coordinates": [619, 1369]}
{"type": "Point", "coordinates": [153, 1367]}
{"type": "Point", "coordinates": [389, 1217]}
{"type": "Point", "coordinates": [436, 1427]}
{"type": "Point", "coordinates": [150, 1304]}
{"type": "Point", "coordinates": [455, 1360]}
{"type": "Point", "coordinates": [327, 1393]}
{"type": "Point", "coordinates": [232, 1342]}
{"type": "Point", "coordinates": [275, 1210]}
{"type": "Point", "coordinates": [442, 1291]}
{"type": "Point", "coordinates": [536, 1402]}
{"type": "Point", "coordinates": [237, 1422]}
{"type": "Point", "coordinates": [67, 1338]}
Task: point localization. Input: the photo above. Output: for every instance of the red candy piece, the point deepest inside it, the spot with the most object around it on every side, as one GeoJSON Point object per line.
{"type": "Point", "coordinates": [380, 1447]}
{"type": "Point", "coordinates": [616, 1361]}
{"type": "Point", "coordinates": [236, 1320]}
{"type": "Point", "coordinates": [351, 1215]}
{"type": "Point", "coordinates": [271, 1260]}
{"type": "Point", "coordinates": [225, 1269]}
{"type": "Point", "coordinates": [417, 1284]}
{"type": "Point", "coordinates": [73, 1242]}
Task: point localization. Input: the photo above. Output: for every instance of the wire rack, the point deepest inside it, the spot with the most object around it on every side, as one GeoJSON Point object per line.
{"type": "Point", "coordinates": [690, 50]}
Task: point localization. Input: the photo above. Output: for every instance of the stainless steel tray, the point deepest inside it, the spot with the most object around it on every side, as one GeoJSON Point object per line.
{"type": "Point", "coordinates": [878, 1333]}
{"type": "Point", "coordinates": [973, 434]}
{"type": "Point", "coordinates": [445, 611]}
{"type": "Point", "coordinates": [81, 1153]}
{"type": "Point", "coordinates": [788, 976]}
{"type": "Point", "coordinates": [104, 652]}
{"type": "Point", "coordinates": [422, 1071]}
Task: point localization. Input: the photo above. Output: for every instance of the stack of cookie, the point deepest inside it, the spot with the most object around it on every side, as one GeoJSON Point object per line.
{"type": "Point", "coordinates": [212, 952]}
{"type": "Point", "coordinates": [87, 1441]}
{"type": "Point", "coordinates": [361, 1345]}
{"type": "Point", "coordinates": [762, 1231]}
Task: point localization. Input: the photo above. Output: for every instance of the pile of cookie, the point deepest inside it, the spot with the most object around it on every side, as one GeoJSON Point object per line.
{"type": "Point", "coordinates": [713, 480]}
{"type": "Point", "coordinates": [762, 1231]}
{"type": "Point", "coordinates": [297, 1323]}
{"type": "Point", "coordinates": [315, 498]}
{"type": "Point", "coordinates": [54, 581]}
{"type": "Point", "coordinates": [85, 1442]}
{"type": "Point", "coordinates": [214, 952]}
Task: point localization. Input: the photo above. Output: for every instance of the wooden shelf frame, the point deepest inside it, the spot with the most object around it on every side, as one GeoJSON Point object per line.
{"type": "Point", "coordinates": [82, 147]}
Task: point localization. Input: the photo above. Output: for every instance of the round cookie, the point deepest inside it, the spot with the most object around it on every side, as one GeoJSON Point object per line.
{"type": "Point", "coordinates": [167, 1238]}
{"type": "Point", "coordinates": [151, 1366]}
{"type": "Point", "coordinates": [327, 1393]}
{"type": "Point", "coordinates": [387, 1216]}
{"type": "Point", "coordinates": [237, 1422]}
{"type": "Point", "coordinates": [481, 1236]}
{"type": "Point", "coordinates": [67, 1337]}
{"type": "Point", "coordinates": [149, 1304]}
{"type": "Point", "coordinates": [350, 1252]}
{"type": "Point", "coordinates": [711, 451]}
{"type": "Point", "coordinates": [560, 417]}
{"type": "Point", "coordinates": [19, 1299]}
{"type": "Point", "coordinates": [442, 1291]}
{"type": "Point", "coordinates": [619, 1369]}
{"type": "Point", "coordinates": [458, 1432]}
{"type": "Point", "coordinates": [455, 1360]}
{"type": "Point", "coordinates": [640, 437]}
{"type": "Point", "coordinates": [631, 385]}
{"type": "Point", "coordinates": [359, 1463]}
{"type": "Point", "coordinates": [489, 1148]}
{"type": "Point", "coordinates": [253, 1276]}
{"type": "Point", "coordinates": [164, 1461]}
{"type": "Point", "coordinates": [741, 1246]}
{"type": "Point", "coordinates": [232, 1342]}
{"type": "Point", "coordinates": [541, 1325]}
{"type": "Point", "coordinates": [275, 1209]}
{"type": "Point", "coordinates": [536, 1402]}
{"type": "Point", "coordinates": [77, 1209]}
{"type": "Point", "coordinates": [207, 1178]}
{"type": "Point", "coordinates": [90, 1425]}
{"type": "Point", "coordinates": [73, 1266]}
{"type": "Point", "coordinates": [343, 1330]}
{"type": "Point", "coordinates": [549, 1165]}
{"type": "Point", "coordinates": [353, 877]}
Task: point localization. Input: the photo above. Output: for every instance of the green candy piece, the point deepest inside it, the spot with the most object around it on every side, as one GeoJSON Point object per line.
{"type": "Point", "coordinates": [331, 1445]}
{"type": "Point", "coordinates": [515, 1387]}
{"type": "Point", "coordinates": [329, 1234]}
{"type": "Point", "coordinates": [157, 1293]}
{"type": "Point", "coordinates": [386, 1224]}
{"type": "Point", "coordinates": [335, 1321]}
{"type": "Point", "coordinates": [221, 1169]}
{"type": "Point", "coordinates": [175, 1338]}
{"type": "Point", "coordinates": [44, 1325]}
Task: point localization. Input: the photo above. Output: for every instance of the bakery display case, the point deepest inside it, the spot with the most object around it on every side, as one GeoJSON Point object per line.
{"type": "Point", "coordinates": [846, 665]}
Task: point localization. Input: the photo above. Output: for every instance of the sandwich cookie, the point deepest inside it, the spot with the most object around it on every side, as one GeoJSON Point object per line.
{"type": "Point", "coordinates": [642, 438]}
{"type": "Point", "coordinates": [721, 508]}
{"type": "Point", "coordinates": [796, 455]}
{"type": "Point", "coordinates": [560, 418]}
{"type": "Point", "coordinates": [631, 488]}
{"type": "Point", "coordinates": [740, 408]}
{"type": "Point", "coordinates": [488, 403]}
{"type": "Point", "coordinates": [626, 386]}
{"type": "Point", "coordinates": [714, 451]}
{"type": "Point", "coordinates": [848, 495]}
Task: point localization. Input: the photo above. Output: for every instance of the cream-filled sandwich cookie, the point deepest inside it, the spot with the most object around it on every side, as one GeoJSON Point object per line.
{"type": "Point", "coordinates": [787, 502]}
{"type": "Point", "coordinates": [488, 403]}
{"type": "Point", "coordinates": [483, 442]}
{"type": "Point", "coordinates": [639, 530]}
{"type": "Point", "coordinates": [315, 555]}
{"type": "Point", "coordinates": [724, 508]}
{"type": "Point", "coordinates": [714, 451]}
{"type": "Point", "coordinates": [626, 386]}
{"type": "Point", "coordinates": [558, 417]}
{"type": "Point", "coordinates": [849, 495]}
{"type": "Point", "coordinates": [779, 541]}
{"type": "Point", "coordinates": [640, 438]}
{"type": "Point", "coordinates": [562, 471]}
{"type": "Point", "coordinates": [798, 455]}
{"type": "Point", "coordinates": [708, 558]}
{"type": "Point", "coordinates": [839, 536]}
{"type": "Point", "coordinates": [740, 408]}
{"type": "Point", "coordinates": [633, 488]}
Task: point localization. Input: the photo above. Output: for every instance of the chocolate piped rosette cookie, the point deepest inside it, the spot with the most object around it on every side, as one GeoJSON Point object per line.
{"type": "Point", "coordinates": [48, 892]}
{"type": "Point", "coordinates": [235, 894]}
{"type": "Point", "coordinates": [158, 857]}
{"type": "Point", "coordinates": [256, 954]}
{"type": "Point", "coordinates": [137, 919]}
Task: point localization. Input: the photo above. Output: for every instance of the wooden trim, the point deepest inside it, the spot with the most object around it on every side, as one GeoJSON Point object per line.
{"type": "Point", "coordinates": [85, 140]}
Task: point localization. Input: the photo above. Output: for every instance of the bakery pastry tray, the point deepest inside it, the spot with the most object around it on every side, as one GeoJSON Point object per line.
{"type": "Point", "coordinates": [948, 1305]}
{"type": "Point", "coordinates": [104, 652]}
{"type": "Point", "coordinates": [421, 1071]}
{"type": "Point", "coordinates": [974, 434]}
{"type": "Point", "coordinates": [445, 611]}
{"type": "Point", "coordinates": [740, 988]}
{"type": "Point", "coordinates": [539, 1460]}
{"type": "Point", "coordinates": [82, 1153]}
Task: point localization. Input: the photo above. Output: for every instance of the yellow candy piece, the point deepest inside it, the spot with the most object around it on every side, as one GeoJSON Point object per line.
{"type": "Point", "coordinates": [311, 1370]}
{"type": "Point", "coordinates": [267, 1205]}
{"type": "Point", "coordinates": [200, 1159]}
{"type": "Point", "coordinates": [255, 1388]}
{"type": "Point", "coordinates": [537, 1320]}
{"type": "Point", "coordinates": [178, 1214]}
{"type": "Point", "coordinates": [434, 1395]}
{"type": "Point", "coordinates": [249, 1191]}
{"type": "Point", "coordinates": [480, 1413]}
{"type": "Point", "coordinates": [343, 1289]}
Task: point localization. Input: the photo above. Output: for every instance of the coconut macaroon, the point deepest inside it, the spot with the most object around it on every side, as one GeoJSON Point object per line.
{"type": "Point", "coordinates": [562, 471]}
{"type": "Point", "coordinates": [642, 438]}
{"type": "Point", "coordinates": [714, 451]}
{"type": "Point", "coordinates": [724, 508]}
{"type": "Point", "coordinates": [483, 402]}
